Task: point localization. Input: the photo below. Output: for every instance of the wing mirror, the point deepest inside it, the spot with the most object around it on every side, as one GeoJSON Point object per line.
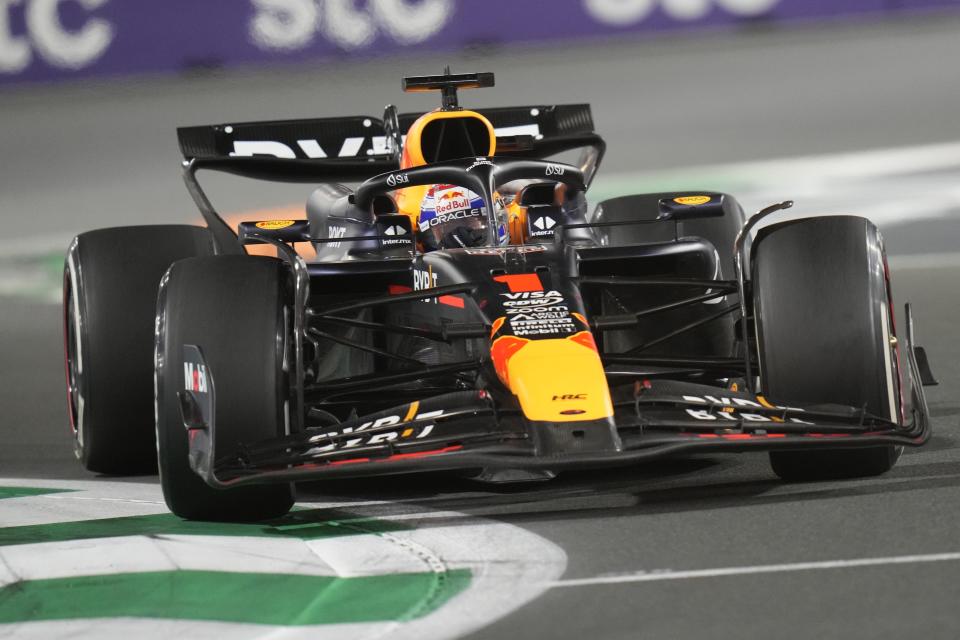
{"type": "Point", "coordinates": [688, 206]}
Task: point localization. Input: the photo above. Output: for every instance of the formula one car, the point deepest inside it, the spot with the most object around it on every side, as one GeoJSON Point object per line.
{"type": "Point", "coordinates": [465, 310]}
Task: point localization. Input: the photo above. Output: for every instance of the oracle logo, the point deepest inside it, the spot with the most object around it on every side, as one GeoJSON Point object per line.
{"type": "Point", "coordinates": [452, 204]}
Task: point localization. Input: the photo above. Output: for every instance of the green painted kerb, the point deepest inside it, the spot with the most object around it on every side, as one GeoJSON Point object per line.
{"type": "Point", "coordinates": [25, 492]}
{"type": "Point", "coordinates": [307, 524]}
{"type": "Point", "coordinates": [233, 597]}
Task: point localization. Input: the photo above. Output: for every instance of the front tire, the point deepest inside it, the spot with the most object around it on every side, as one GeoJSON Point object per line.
{"type": "Point", "coordinates": [825, 333]}
{"type": "Point", "coordinates": [232, 307]}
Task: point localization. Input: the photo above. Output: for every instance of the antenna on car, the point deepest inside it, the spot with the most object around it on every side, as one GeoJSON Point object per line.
{"type": "Point", "coordinates": [448, 84]}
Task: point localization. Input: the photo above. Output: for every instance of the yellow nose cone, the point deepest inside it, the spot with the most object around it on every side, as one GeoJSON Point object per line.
{"type": "Point", "coordinates": [560, 380]}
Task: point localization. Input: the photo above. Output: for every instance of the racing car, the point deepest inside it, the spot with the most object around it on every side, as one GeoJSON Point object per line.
{"type": "Point", "coordinates": [461, 308]}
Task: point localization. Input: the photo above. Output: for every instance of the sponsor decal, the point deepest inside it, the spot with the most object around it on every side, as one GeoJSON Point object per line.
{"type": "Point", "coordinates": [499, 251]}
{"type": "Point", "coordinates": [334, 231]}
{"type": "Point", "coordinates": [538, 313]}
{"type": "Point", "coordinates": [273, 225]}
{"type": "Point", "coordinates": [424, 279]}
{"type": "Point", "coordinates": [381, 437]}
{"type": "Point", "coordinates": [479, 163]}
{"type": "Point", "coordinates": [532, 130]}
{"type": "Point", "coordinates": [397, 234]}
{"type": "Point", "coordinates": [311, 149]}
{"type": "Point", "coordinates": [294, 25]}
{"type": "Point", "coordinates": [450, 201]}
{"type": "Point", "coordinates": [737, 416]}
{"type": "Point", "coordinates": [72, 47]}
{"type": "Point", "coordinates": [541, 226]}
{"type": "Point", "coordinates": [395, 179]}
{"type": "Point", "coordinates": [544, 223]}
{"type": "Point", "coordinates": [623, 13]}
{"type": "Point", "coordinates": [555, 170]}
{"type": "Point", "coordinates": [533, 299]}
{"type": "Point", "coordinates": [450, 216]}
{"type": "Point", "coordinates": [732, 409]}
{"type": "Point", "coordinates": [570, 396]}
{"type": "Point", "coordinates": [195, 377]}
{"type": "Point", "coordinates": [692, 200]}
{"type": "Point", "coordinates": [735, 402]}
{"type": "Point", "coordinates": [531, 310]}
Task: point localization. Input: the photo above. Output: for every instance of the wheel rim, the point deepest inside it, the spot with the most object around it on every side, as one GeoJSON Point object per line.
{"type": "Point", "coordinates": [70, 357]}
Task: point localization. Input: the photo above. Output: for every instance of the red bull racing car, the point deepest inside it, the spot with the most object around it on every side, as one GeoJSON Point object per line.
{"type": "Point", "coordinates": [463, 308]}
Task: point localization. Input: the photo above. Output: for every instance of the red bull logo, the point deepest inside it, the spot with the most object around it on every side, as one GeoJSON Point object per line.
{"type": "Point", "coordinates": [446, 194]}
{"type": "Point", "coordinates": [448, 201]}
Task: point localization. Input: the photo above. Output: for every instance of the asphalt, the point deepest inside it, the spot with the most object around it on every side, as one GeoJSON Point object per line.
{"type": "Point", "coordinates": [79, 157]}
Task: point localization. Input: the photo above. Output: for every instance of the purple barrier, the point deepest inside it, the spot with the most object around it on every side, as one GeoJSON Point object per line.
{"type": "Point", "coordinates": [42, 40]}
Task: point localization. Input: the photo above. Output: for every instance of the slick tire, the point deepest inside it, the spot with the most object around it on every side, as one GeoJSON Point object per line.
{"type": "Point", "coordinates": [110, 282]}
{"type": "Point", "coordinates": [232, 307]}
{"type": "Point", "coordinates": [825, 333]}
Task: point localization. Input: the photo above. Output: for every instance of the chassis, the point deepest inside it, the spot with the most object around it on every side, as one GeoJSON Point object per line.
{"type": "Point", "coordinates": [606, 338]}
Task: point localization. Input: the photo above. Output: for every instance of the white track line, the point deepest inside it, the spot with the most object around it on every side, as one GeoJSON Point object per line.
{"type": "Point", "coordinates": [925, 261]}
{"type": "Point", "coordinates": [852, 165]}
{"type": "Point", "coordinates": [667, 574]}
{"type": "Point", "coordinates": [509, 566]}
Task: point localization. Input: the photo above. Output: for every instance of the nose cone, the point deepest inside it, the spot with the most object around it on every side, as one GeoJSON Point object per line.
{"type": "Point", "coordinates": [556, 379]}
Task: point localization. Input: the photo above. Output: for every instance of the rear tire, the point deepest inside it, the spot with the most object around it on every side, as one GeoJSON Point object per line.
{"type": "Point", "coordinates": [824, 328]}
{"type": "Point", "coordinates": [110, 283]}
{"type": "Point", "coordinates": [232, 308]}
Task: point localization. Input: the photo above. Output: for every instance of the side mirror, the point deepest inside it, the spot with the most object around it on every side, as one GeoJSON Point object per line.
{"type": "Point", "coordinates": [688, 206]}
{"type": "Point", "coordinates": [282, 230]}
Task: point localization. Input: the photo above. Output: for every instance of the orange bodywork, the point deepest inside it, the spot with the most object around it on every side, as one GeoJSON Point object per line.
{"type": "Point", "coordinates": [517, 222]}
{"type": "Point", "coordinates": [554, 379]}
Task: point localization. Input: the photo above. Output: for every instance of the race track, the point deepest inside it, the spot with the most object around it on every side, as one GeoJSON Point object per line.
{"type": "Point", "coordinates": [842, 119]}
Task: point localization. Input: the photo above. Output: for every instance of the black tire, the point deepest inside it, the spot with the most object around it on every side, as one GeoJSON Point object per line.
{"type": "Point", "coordinates": [232, 307]}
{"type": "Point", "coordinates": [110, 286]}
{"type": "Point", "coordinates": [822, 306]}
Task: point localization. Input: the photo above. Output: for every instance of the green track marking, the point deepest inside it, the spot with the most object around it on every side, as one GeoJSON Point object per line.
{"type": "Point", "coordinates": [37, 277]}
{"type": "Point", "coordinates": [308, 524]}
{"type": "Point", "coordinates": [233, 597]}
{"type": "Point", "coordinates": [26, 492]}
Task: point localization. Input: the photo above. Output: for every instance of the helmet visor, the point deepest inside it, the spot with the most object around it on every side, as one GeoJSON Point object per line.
{"type": "Point", "coordinates": [452, 217]}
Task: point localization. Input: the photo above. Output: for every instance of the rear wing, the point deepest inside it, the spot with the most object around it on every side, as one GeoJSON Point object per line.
{"type": "Point", "coordinates": [355, 148]}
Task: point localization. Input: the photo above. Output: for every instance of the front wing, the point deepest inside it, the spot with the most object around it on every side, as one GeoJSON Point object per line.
{"type": "Point", "coordinates": [473, 430]}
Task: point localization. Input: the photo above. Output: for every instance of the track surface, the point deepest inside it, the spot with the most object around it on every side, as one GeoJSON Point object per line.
{"type": "Point", "coordinates": [99, 156]}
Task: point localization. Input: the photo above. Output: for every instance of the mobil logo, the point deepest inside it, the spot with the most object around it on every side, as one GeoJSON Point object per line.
{"type": "Point", "coordinates": [195, 377]}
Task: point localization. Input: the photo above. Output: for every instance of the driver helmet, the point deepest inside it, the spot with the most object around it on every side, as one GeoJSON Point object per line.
{"type": "Point", "coordinates": [453, 217]}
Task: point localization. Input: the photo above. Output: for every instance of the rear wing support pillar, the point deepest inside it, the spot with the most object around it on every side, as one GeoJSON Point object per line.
{"type": "Point", "coordinates": [223, 236]}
